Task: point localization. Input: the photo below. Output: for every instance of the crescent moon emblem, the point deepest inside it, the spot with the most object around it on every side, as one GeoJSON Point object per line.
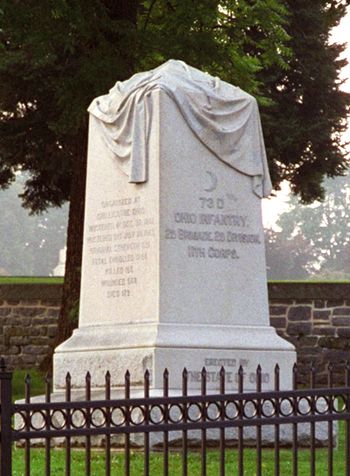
{"type": "Point", "coordinates": [214, 182]}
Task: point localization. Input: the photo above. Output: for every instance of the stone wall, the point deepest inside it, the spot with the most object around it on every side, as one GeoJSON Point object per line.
{"type": "Point", "coordinates": [314, 317]}
{"type": "Point", "coordinates": [28, 322]}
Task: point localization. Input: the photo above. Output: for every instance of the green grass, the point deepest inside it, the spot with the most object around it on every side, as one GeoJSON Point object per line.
{"type": "Point", "coordinates": [175, 462]}
{"type": "Point", "coordinates": [37, 383]}
{"type": "Point", "coordinates": [30, 280]}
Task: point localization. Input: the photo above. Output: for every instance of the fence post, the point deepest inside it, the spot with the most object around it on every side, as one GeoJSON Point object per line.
{"type": "Point", "coordinates": [5, 420]}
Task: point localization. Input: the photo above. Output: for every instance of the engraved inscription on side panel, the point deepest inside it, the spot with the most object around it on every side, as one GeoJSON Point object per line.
{"type": "Point", "coordinates": [215, 228]}
{"type": "Point", "coordinates": [119, 243]}
{"type": "Point", "coordinates": [231, 365]}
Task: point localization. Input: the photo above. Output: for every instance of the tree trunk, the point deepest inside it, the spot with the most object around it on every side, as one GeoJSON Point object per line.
{"type": "Point", "coordinates": [68, 316]}
{"type": "Point", "coordinates": [125, 10]}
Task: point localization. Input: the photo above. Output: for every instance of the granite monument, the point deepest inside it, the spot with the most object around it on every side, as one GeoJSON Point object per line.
{"type": "Point", "coordinates": [174, 271]}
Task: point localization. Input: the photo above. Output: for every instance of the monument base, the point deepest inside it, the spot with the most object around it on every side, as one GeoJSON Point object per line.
{"type": "Point", "coordinates": [154, 346]}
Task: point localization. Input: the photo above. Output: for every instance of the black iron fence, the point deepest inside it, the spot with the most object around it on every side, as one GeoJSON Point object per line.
{"type": "Point", "coordinates": [223, 422]}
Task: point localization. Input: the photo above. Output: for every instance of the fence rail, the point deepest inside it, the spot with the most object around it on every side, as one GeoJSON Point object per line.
{"type": "Point", "coordinates": [177, 418]}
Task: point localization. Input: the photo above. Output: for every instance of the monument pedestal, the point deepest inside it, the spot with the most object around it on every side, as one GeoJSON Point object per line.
{"type": "Point", "coordinates": [154, 347]}
{"type": "Point", "coordinates": [174, 271]}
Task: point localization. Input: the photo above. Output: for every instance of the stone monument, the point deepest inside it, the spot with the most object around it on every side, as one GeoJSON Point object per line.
{"type": "Point", "coordinates": [59, 270]}
{"type": "Point", "coordinates": [174, 270]}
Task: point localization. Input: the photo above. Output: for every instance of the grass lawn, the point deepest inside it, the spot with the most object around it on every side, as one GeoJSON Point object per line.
{"type": "Point", "coordinates": [175, 466]}
{"type": "Point", "coordinates": [37, 384]}
{"type": "Point", "coordinates": [30, 280]}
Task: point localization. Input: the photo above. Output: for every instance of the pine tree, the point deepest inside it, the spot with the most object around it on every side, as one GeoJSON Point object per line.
{"type": "Point", "coordinates": [304, 126]}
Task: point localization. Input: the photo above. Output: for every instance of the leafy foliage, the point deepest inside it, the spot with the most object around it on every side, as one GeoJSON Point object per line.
{"type": "Point", "coordinates": [233, 40]}
{"type": "Point", "coordinates": [314, 240]}
{"type": "Point", "coordinates": [287, 257]}
{"type": "Point", "coordinates": [57, 56]}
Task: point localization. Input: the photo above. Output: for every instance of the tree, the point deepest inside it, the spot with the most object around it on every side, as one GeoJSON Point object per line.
{"type": "Point", "coordinates": [29, 245]}
{"type": "Point", "coordinates": [287, 257]}
{"type": "Point", "coordinates": [304, 125]}
{"type": "Point", "coordinates": [57, 56]}
{"type": "Point", "coordinates": [317, 237]}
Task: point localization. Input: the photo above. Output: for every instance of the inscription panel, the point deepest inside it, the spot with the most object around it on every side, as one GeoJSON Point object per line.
{"type": "Point", "coordinates": [120, 252]}
{"type": "Point", "coordinates": [213, 360]}
{"type": "Point", "coordinates": [231, 365]}
{"type": "Point", "coordinates": [119, 242]}
{"type": "Point", "coordinates": [212, 239]}
{"type": "Point", "coordinates": [215, 228]}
